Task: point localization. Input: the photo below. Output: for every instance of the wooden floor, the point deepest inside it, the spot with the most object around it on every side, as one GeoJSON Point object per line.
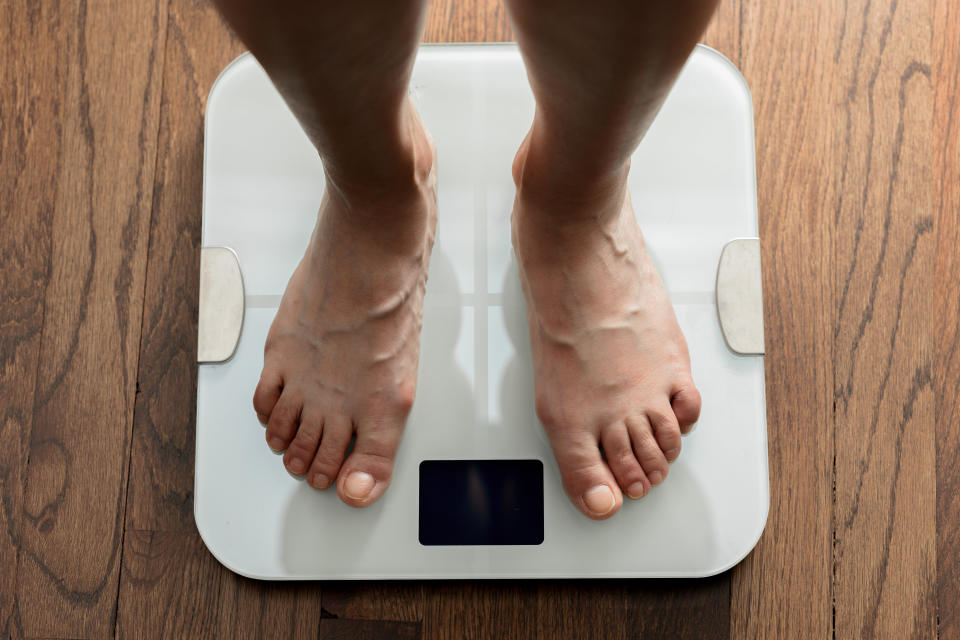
{"type": "Point", "coordinates": [858, 162]}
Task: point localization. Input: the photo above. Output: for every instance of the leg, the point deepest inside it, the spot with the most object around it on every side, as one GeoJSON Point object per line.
{"type": "Point", "coordinates": [611, 367]}
{"type": "Point", "coordinates": [341, 356]}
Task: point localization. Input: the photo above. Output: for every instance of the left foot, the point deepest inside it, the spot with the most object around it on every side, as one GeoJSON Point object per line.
{"type": "Point", "coordinates": [610, 363]}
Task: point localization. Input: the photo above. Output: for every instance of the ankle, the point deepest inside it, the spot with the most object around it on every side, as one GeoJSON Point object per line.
{"type": "Point", "coordinates": [397, 168]}
{"type": "Point", "coordinates": [564, 191]}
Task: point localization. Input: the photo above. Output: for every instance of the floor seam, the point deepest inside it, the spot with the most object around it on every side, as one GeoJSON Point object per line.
{"type": "Point", "coordinates": [143, 305]}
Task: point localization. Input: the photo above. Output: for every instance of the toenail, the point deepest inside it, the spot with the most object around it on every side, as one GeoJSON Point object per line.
{"type": "Point", "coordinates": [276, 444]}
{"type": "Point", "coordinates": [293, 475]}
{"type": "Point", "coordinates": [656, 477]}
{"type": "Point", "coordinates": [600, 500]}
{"type": "Point", "coordinates": [636, 490]}
{"type": "Point", "coordinates": [673, 452]}
{"type": "Point", "coordinates": [319, 481]}
{"type": "Point", "coordinates": [263, 419]}
{"type": "Point", "coordinates": [358, 485]}
{"type": "Point", "coordinates": [692, 427]}
{"type": "Point", "coordinates": [297, 466]}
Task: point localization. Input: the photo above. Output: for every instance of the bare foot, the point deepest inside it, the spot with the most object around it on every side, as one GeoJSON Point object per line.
{"type": "Point", "coordinates": [611, 367]}
{"type": "Point", "coordinates": [341, 356]}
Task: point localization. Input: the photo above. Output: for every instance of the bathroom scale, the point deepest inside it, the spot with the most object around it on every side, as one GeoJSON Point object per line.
{"type": "Point", "coordinates": [476, 492]}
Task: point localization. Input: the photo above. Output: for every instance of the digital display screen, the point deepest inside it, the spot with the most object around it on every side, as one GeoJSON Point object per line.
{"type": "Point", "coordinates": [481, 502]}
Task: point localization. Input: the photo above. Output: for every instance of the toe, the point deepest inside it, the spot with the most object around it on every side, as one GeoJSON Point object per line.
{"type": "Point", "coordinates": [267, 393]}
{"type": "Point", "coordinates": [647, 450]}
{"type": "Point", "coordinates": [686, 406]}
{"type": "Point", "coordinates": [666, 431]}
{"type": "Point", "coordinates": [333, 446]}
{"type": "Point", "coordinates": [303, 448]}
{"type": "Point", "coordinates": [366, 474]}
{"type": "Point", "coordinates": [283, 423]}
{"type": "Point", "coordinates": [622, 462]}
{"type": "Point", "coordinates": [588, 481]}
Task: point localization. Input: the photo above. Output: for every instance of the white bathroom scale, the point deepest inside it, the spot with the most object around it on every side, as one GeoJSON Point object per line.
{"type": "Point", "coordinates": [476, 492]}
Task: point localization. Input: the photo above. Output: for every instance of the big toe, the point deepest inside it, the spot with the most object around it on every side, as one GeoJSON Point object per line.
{"type": "Point", "coordinates": [587, 479]}
{"type": "Point", "coordinates": [366, 474]}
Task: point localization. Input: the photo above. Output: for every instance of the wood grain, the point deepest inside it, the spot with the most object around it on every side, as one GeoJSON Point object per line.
{"type": "Point", "coordinates": [884, 527]}
{"type": "Point", "coordinates": [331, 629]}
{"type": "Point", "coordinates": [76, 478]}
{"type": "Point", "coordinates": [199, 46]}
{"type": "Point", "coordinates": [723, 31]}
{"type": "Point", "coordinates": [173, 588]}
{"type": "Point", "coordinates": [490, 610]}
{"type": "Point", "coordinates": [32, 79]}
{"type": "Point", "coordinates": [160, 508]}
{"type": "Point", "coordinates": [857, 106]}
{"type": "Point", "coordinates": [467, 21]}
{"type": "Point", "coordinates": [400, 601]}
{"type": "Point", "coordinates": [783, 589]}
{"type": "Point", "coordinates": [946, 194]}
{"type": "Point", "coordinates": [695, 609]}
{"type": "Point", "coordinates": [859, 98]}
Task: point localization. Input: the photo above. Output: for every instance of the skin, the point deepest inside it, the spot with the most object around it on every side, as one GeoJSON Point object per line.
{"type": "Point", "coordinates": [611, 368]}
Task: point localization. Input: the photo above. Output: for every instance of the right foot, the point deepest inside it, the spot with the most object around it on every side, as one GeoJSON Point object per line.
{"type": "Point", "coordinates": [341, 356]}
{"type": "Point", "coordinates": [610, 363]}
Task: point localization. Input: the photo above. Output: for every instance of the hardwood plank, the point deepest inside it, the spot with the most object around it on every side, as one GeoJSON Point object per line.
{"type": "Point", "coordinates": [946, 193]}
{"type": "Point", "coordinates": [486, 21]}
{"type": "Point", "coordinates": [331, 629]}
{"type": "Point", "coordinates": [171, 587]}
{"type": "Point", "coordinates": [723, 32]}
{"type": "Point", "coordinates": [265, 609]}
{"type": "Point", "coordinates": [467, 21]}
{"type": "Point", "coordinates": [884, 550]}
{"type": "Point", "coordinates": [32, 77]}
{"type": "Point", "coordinates": [696, 609]}
{"type": "Point", "coordinates": [400, 601]}
{"type": "Point", "coordinates": [787, 51]}
{"type": "Point", "coordinates": [199, 46]}
{"type": "Point", "coordinates": [484, 609]}
{"type": "Point", "coordinates": [800, 59]}
{"type": "Point", "coordinates": [584, 609]}
{"type": "Point", "coordinates": [577, 609]}
{"type": "Point", "coordinates": [76, 478]}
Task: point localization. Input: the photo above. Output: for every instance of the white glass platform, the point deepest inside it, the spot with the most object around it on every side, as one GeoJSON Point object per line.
{"type": "Point", "coordinates": [693, 186]}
